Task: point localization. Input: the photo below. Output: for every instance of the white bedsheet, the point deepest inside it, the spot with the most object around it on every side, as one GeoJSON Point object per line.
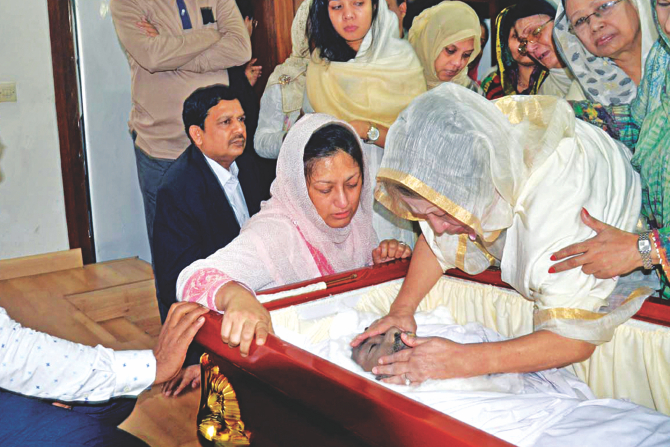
{"type": "Point", "coordinates": [550, 408]}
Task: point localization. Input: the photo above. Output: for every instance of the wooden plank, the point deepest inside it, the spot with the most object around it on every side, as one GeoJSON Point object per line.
{"type": "Point", "coordinates": [38, 264]}
{"type": "Point", "coordinates": [33, 307]}
{"type": "Point", "coordinates": [115, 302]}
{"type": "Point", "coordinates": [38, 301]}
{"type": "Point", "coordinates": [125, 331]}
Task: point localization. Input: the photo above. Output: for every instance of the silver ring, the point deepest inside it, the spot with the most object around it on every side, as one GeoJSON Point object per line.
{"type": "Point", "coordinates": [407, 381]}
{"type": "Point", "coordinates": [402, 243]}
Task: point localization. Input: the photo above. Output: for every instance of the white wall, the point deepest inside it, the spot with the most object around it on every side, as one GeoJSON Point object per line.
{"type": "Point", "coordinates": [119, 228]}
{"type": "Point", "coordinates": [32, 209]}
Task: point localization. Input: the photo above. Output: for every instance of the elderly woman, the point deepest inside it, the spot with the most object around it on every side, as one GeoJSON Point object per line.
{"type": "Point", "coordinates": [534, 27]}
{"type": "Point", "coordinates": [446, 38]}
{"type": "Point", "coordinates": [282, 101]}
{"type": "Point", "coordinates": [318, 222]}
{"type": "Point", "coordinates": [517, 73]}
{"type": "Point", "coordinates": [505, 183]}
{"type": "Point", "coordinates": [614, 252]}
{"type": "Point", "coordinates": [605, 44]}
{"type": "Point", "coordinates": [363, 73]}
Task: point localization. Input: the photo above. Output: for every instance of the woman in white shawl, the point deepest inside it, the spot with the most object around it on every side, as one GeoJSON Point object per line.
{"type": "Point", "coordinates": [446, 38]}
{"type": "Point", "coordinates": [362, 72]}
{"type": "Point", "coordinates": [282, 101]}
{"type": "Point", "coordinates": [606, 52]}
{"type": "Point", "coordinates": [318, 222]}
{"type": "Point", "coordinates": [504, 183]}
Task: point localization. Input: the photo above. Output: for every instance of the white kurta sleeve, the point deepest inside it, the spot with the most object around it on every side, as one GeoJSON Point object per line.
{"type": "Point", "coordinates": [36, 364]}
{"type": "Point", "coordinates": [596, 175]}
{"type": "Point", "coordinates": [273, 123]}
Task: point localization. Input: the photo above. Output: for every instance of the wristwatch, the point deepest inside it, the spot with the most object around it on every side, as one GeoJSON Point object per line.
{"type": "Point", "coordinates": [644, 247]}
{"type": "Point", "coordinates": [373, 134]}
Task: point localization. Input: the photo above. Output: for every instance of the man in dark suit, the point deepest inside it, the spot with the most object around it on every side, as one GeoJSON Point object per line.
{"type": "Point", "coordinates": [207, 194]}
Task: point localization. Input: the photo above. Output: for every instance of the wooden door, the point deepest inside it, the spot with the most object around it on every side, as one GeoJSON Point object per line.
{"type": "Point", "coordinates": [271, 40]}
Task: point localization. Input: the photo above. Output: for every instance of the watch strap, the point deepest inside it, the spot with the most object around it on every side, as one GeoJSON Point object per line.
{"type": "Point", "coordinates": [644, 246]}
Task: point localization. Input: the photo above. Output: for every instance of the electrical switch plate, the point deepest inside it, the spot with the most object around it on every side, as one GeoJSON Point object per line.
{"type": "Point", "coordinates": [7, 91]}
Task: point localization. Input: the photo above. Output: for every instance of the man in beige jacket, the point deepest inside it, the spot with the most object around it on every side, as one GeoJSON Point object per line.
{"type": "Point", "coordinates": [174, 47]}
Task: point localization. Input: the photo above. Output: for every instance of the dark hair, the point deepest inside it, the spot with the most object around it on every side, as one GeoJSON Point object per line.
{"type": "Point", "coordinates": [529, 8]}
{"type": "Point", "coordinates": [486, 30]}
{"type": "Point", "coordinates": [322, 34]}
{"type": "Point", "coordinates": [246, 8]}
{"type": "Point", "coordinates": [326, 142]}
{"type": "Point", "coordinates": [520, 11]}
{"type": "Point", "coordinates": [197, 105]}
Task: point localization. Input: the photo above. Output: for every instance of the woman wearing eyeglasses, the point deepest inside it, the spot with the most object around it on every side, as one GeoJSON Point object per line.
{"type": "Point", "coordinates": [605, 44]}
{"type": "Point", "coordinates": [613, 252]}
{"type": "Point", "coordinates": [516, 73]}
{"type": "Point", "coordinates": [534, 28]}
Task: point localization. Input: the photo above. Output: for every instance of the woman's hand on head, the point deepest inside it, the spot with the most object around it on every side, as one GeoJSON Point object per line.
{"type": "Point", "coordinates": [400, 319]}
{"type": "Point", "coordinates": [389, 250]}
{"type": "Point", "coordinates": [610, 253]}
{"type": "Point", "coordinates": [244, 317]}
{"type": "Point", "coordinates": [428, 358]}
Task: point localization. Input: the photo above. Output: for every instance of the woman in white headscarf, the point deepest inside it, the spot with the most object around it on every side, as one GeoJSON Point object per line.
{"type": "Point", "coordinates": [362, 72]}
{"type": "Point", "coordinates": [318, 222]}
{"type": "Point", "coordinates": [282, 101]}
{"type": "Point", "coordinates": [607, 52]}
{"type": "Point", "coordinates": [505, 183]}
{"type": "Point", "coordinates": [446, 38]}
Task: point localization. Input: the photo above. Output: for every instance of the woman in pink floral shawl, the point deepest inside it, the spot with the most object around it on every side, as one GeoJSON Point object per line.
{"type": "Point", "coordinates": [318, 222]}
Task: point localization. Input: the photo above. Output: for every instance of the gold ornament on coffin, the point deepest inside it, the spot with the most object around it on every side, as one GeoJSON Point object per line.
{"type": "Point", "coordinates": [219, 418]}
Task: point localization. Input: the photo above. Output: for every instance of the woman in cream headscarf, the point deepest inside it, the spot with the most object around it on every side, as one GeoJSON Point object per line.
{"type": "Point", "coordinates": [446, 38]}
{"type": "Point", "coordinates": [284, 94]}
{"type": "Point", "coordinates": [363, 73]}
{"type": "Point", "coordinates": [505, 183]}
{"type": "Point", "coordinates": [318, 222]}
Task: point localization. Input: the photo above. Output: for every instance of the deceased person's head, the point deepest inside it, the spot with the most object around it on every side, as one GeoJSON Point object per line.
{"type": "Point", "coordinates": [367, 354]}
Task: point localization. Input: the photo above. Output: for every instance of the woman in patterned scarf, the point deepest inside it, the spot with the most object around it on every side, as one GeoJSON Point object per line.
{"type": "Point", "coordinates": [614, 252]}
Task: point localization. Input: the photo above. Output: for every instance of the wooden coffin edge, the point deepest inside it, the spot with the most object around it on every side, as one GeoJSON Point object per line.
{"type": "Point", "coordinates": [410, 418]}
{"type": "Point", "coordinates": [435, 425]}
{"type": "Point", "coordinates": [654, 310]}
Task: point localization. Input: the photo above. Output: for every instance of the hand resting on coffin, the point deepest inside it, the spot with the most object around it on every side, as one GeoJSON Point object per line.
{"type": "Point", "coordinates": [244, 317]}
{"type": "Point", "coordinates": [390, 250]}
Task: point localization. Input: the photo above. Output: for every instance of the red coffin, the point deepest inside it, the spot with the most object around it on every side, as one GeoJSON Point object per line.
{"type": "Point", "coordinates": [289, 397]}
